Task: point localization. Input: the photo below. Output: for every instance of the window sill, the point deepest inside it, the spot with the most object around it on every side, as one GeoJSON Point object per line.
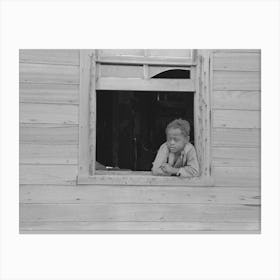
{"type": "Point", "coordinates": [139, 178]}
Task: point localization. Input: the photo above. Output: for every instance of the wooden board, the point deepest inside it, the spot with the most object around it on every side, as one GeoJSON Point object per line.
{"type": "Point", "coordinates": [236, 156]}
{"type": "Point", "coordinates": [236, 80]}
{"type": "Point", "coordinates": [140, 212]}
{"type": "Point", "coordinates": [236, 119]}
{"type": "Point", "coordinates": [237, 51]}
{"type": "Point", "coordinates": [48, 113]}
{"type": "Point", "coordinates": [49, 56]}
{"type": "Point", "coordinates": [145, 85]}
{"type": "Point", "coordinates": [184, 53]}
{"type": "Point", "coordinates": [54, 134]}
{"type": "Point", "coordinates": [121, 52]}
{"type": "Point", "coordinates": [237, 61]}
{"type": "Point", "coordinates": [49, 93]}
{"type": "Point", "coordinates": [48, 154]}
{"type": "Point", "coordinates": [145, 194]}
{"type": "Point", "coordinates": [47, 174]}
{"type": "Point", "coordinates": [121, 71]}
{"type": "Point", "coordinates": [48, 74]}
{"type": "Point", "coordinates": [68, 226]}
{"type": "Point", "coordinates": [236, 137]}
{"type": "Point", "coordinates": [237, 176]}
{"type": "Point", "coordinates": [246, 100]}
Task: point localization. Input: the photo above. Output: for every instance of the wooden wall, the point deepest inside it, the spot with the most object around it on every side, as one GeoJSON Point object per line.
{"type": "Point", "coordinates": [50, 200]}
{"type": "Point", "coordinates": [236, 117]}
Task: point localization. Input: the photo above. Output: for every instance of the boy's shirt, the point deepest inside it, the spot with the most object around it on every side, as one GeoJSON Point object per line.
{"type": "Point", "coordinates": [186, 162]}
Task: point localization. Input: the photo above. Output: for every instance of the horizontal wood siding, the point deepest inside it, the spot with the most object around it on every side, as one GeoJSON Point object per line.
{"type": "Point", "coordinates": [137, 194]}
{"type": "Point", "coordinates": [145, 227]}
{"type": "Point", "coordinates": [236, 110]}
{"type": "Point", "coordinates": [48, 113]}
{"type": "Point", "coordinates": [48, 154]}
{"type": "Point", "coordinates": [237, 100]}
{"type": "Point", "coordinates": [52, 134]}
{"type": "Point", "coordinates": [48, 116]}
{"type": "Point", "coordinates": [50, 56]}
{"type": "Point", "coordinates": [48, 74]}
{"type": "Point", "coordinates": [50, 199]}
{"type": "Point", "coordinates": [139, 212]}
{"type": "Point", "coordinates": [51, 174]}
{"type": "Point", "coordinates": [49, 93]}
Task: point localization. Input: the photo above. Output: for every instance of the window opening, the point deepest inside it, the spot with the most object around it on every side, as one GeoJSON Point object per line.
{"type": "Point", "coordinates": [173, 74]}
{"type": "Point", "coordinates": [131, 126]}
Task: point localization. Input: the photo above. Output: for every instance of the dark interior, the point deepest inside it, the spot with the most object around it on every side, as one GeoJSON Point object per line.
{"type": "Point", "coordinates": [131, 126]}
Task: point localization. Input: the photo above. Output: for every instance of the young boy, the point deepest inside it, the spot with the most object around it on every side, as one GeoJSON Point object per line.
{"type": "Point", "coordinates": [177, 156]}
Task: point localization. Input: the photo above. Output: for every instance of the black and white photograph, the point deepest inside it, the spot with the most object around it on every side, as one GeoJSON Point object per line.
{"type": "Point", "coordinates": [140, 140]}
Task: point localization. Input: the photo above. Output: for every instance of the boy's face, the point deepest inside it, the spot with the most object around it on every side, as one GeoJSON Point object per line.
{"type": "Point", "coordinates": [176, 141]}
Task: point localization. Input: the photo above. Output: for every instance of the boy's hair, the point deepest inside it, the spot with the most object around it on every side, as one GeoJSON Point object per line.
{"type": "Point", "coordinates": [183, 125]}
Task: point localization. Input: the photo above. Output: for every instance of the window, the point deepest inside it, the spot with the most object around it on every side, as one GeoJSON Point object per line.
{"type": "Point", "coordinates": [138, 95]}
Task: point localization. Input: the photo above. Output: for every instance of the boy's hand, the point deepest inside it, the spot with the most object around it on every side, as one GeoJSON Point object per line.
{"type": "Point", "coordinates": [167, 168]}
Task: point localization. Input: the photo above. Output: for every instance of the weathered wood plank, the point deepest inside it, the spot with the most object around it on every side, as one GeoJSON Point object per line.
{"type": "Point", "coordinates": [237, 51]}
{"type": "Point", "coordinates": [49, 56]}
{"type": "Point", "coordinates": [48, 93]}
{"type": "Point", "coordinates": [53, 134]}
{"type": "Point", "coordinates": [246, 100]}
{"type": "Point", "coordinates": [236, 119]}
{"type": "Point", "coordinates": [65, 226]}
{"type": "Point", "coordinates": [146, 85]}
{"type": "Point", "coordinates": [236, 137]}
{"type": "Point", "coordinates": [236, 80]}
{"type": "Point", "coordinates": [48, 174]}
{"type": "Point", "coordinates": [121, 71]}
{"type": "Point", "coordinates": [237, 176]}
{"type": "Point", "coordinates": [48, 154]}
{"type": "Point", "coordinates": [145, 194]}
{"type": "Point", "coordinates": [122, 52]}
{"type": "Point", "coordinates": [140, 212]}
{"type": "Point", "coordinates": [48, 74]}
{"type": "Point", "coordinates": [236, 156]}
{"type": "Point", "coordinates": [233, 61]}
{"type": "Point", "coordinates": [184, 53]}
{"type": "Point", "coordinates": [48, 113]}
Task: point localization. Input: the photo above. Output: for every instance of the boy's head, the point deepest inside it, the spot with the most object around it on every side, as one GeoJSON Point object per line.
{"type": "Point", "coordinates": [177, 135]}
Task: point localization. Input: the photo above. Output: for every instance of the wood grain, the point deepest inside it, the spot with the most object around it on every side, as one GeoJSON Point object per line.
{"type": "Point", "coordinates": [236, 137]}
{"type": "Point", "coordinates": [237, 61]}
{"type": "Point", "coordinates": [48, 113]}
{"type": "Point", "coordinates": [49, 56]}
{"type": "Point", "coordinates": [121, 71]}
{"type": "Point", "coordinates": [127, 194]}
{"type": "Point", "coordinates": [140, 212]}
{"type": "Point", "coordinates": [48, 73]}
{"type": "Point", "coordinates": [48, 93]}
{"type": "Point", "coordinates": [240, 100]}
{"type": "Point", "coordinates": [145, 85]}
{"type": "Point", "coordinates": [68, 226]}
{"type": "Point", "coordinates": [236, 80]}
{"type": "Point", "coordinates": [48, 154]}
{"type": "Point", "coordinates": [54, 134]}
{"type": "Point", "coordinates": [121, 52]}
{"type": "Point", "coordinates": [237, 176]}
{"type": "Point", "coordinates": [47, 174]}
{"type": "Point", "coordinates": [236, 156]}
{"type": "Point", "coordinates": [236, 119]}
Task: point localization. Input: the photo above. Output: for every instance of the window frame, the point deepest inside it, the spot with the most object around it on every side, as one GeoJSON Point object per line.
{"type": "Point", "coordinates": [90, 81]}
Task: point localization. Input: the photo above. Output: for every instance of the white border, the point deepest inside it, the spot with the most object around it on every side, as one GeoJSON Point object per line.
{"type": "Point", "coordinates": [197, 24]}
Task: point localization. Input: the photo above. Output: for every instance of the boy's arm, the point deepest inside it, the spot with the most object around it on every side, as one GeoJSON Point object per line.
{"type": "Point", "coordinates": [192, 167]}
{"type": "Point", "coordinates": [161, 158]}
